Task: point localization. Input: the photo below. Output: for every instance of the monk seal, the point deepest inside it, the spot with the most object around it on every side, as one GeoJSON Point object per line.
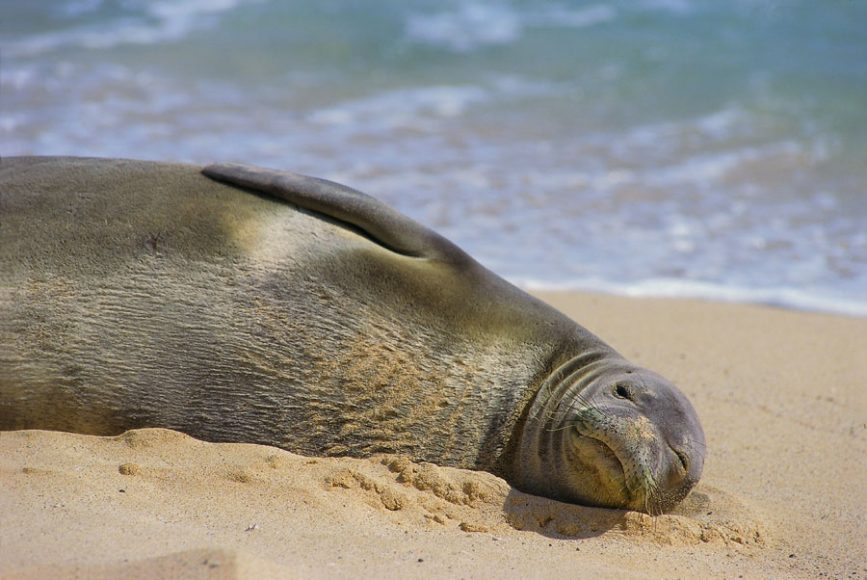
{"type": "Point", "coordinates": [248, 305]}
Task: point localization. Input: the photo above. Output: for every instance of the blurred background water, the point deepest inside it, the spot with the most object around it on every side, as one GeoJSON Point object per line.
{"type": "Point", "coordinates": [651, 147]}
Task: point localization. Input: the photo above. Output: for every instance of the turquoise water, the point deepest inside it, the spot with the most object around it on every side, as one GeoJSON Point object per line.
{"type": "Point", "coordinates": [657, 147]}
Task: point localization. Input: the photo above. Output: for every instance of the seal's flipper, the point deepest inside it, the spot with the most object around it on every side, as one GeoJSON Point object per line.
{"type": "Point", "coordinates": [383, 224]}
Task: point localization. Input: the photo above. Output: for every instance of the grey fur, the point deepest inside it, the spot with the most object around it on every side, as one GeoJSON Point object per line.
{"type": "Point", "coordinates": [306, 315]}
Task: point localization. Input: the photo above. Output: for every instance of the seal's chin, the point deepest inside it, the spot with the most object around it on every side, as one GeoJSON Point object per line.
{"type": "Point", "coordinates": [600, 473]}
{"type": "Point", "coordinates": [613, 473]}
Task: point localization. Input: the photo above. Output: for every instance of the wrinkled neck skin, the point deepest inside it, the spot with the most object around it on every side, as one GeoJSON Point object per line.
{"type": "Point", "coordinates": [602, 431]}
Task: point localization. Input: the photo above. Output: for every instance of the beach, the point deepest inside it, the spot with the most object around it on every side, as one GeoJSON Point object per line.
{"type": "Point", "coordinates": [684, 178]}
{"type": "Point", "coordinates": [781, 395]}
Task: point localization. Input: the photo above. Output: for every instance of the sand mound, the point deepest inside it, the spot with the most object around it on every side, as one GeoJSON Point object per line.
{"type": "Point", "coordinates": [140, 496]}
{"type": "Point", "coordinates": [391, 489]}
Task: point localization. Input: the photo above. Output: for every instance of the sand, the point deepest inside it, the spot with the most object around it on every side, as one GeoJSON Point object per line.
{"type": "Point", "coordinates": [783, 400]}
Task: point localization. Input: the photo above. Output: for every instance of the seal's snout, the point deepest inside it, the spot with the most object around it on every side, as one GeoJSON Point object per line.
{"type": "Point", "coordinates": [651, 429]}
{"type": "Point", "coordinates": [677, 474]}
{"type": "Point", "coordinates": [610, 434]}
{"type": "Point", "coordinates": [645, 399]}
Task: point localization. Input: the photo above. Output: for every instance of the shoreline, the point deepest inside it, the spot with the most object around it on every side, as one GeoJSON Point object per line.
{"type": "Point", "coordinates": [781, 395]}
{"type": "Point", "coordinates": [673, 289]}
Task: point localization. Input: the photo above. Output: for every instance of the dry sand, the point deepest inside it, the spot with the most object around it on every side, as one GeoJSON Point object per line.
{"type": "Point", "coordinates": [782, 396]}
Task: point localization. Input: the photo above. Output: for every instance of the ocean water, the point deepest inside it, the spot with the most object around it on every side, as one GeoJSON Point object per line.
{"type": "Point", "coordinates": [654, 147]}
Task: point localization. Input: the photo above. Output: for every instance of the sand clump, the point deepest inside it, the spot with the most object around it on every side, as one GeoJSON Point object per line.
{"type": "Point", "coordinates": [481, 502]}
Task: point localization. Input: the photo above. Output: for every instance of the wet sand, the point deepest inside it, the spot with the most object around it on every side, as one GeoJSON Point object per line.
{"type": "Point", "coordinates": [783, 400]}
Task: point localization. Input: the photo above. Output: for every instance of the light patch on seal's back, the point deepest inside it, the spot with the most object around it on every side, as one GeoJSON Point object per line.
{"type": "Point", "coordinates": [266, 239]}
{"type": "Point", "coordinates": [279, 234]}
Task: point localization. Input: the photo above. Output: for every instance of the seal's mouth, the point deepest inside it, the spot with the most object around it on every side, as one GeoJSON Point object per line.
{"type": "Point", "coordinates": [610, 469]}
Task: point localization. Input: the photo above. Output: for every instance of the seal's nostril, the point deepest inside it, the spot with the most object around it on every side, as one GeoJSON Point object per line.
{"type": "Point", "coordinates": [683, 457]}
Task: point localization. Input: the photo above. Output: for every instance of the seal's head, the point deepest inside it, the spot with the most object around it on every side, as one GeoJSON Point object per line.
{"type": "Point", "coordinates": [610, 434]}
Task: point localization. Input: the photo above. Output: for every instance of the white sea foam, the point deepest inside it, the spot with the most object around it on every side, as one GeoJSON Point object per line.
{"type": "Point", "coordinates": [401, 108]}
{"type": "Point", "coordinates": [718, 125]}
{"type": "Point", "coordinates": [419, 107]}
{"type": "Point", "coordinates": [471, 25]}
{"type": "Point", "coordinates": [147, 23]}
{"type": "Point", "coordinates": [74, 8]}
{"type": "Point", "coordinates": [189, 9]}
{"type": "Point", "coordinates": [572, 17]}
{"type": "Point", "coordinates": [679, 288]}
{"type": "Point", "coordinates": [678, 7]}
{"type": "Point", "coordinates": [715, 166]}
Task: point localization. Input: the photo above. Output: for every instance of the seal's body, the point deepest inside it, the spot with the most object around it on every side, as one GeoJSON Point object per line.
{"type": "Point", "coordinates": [279, 309]}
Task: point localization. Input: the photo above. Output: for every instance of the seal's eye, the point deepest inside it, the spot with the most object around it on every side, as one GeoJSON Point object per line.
{"type": "Point", "coordinates": [623, 392]}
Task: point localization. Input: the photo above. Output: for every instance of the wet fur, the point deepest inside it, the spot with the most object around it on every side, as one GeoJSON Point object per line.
{"type": "Point", "coordinates": [139, 294]}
